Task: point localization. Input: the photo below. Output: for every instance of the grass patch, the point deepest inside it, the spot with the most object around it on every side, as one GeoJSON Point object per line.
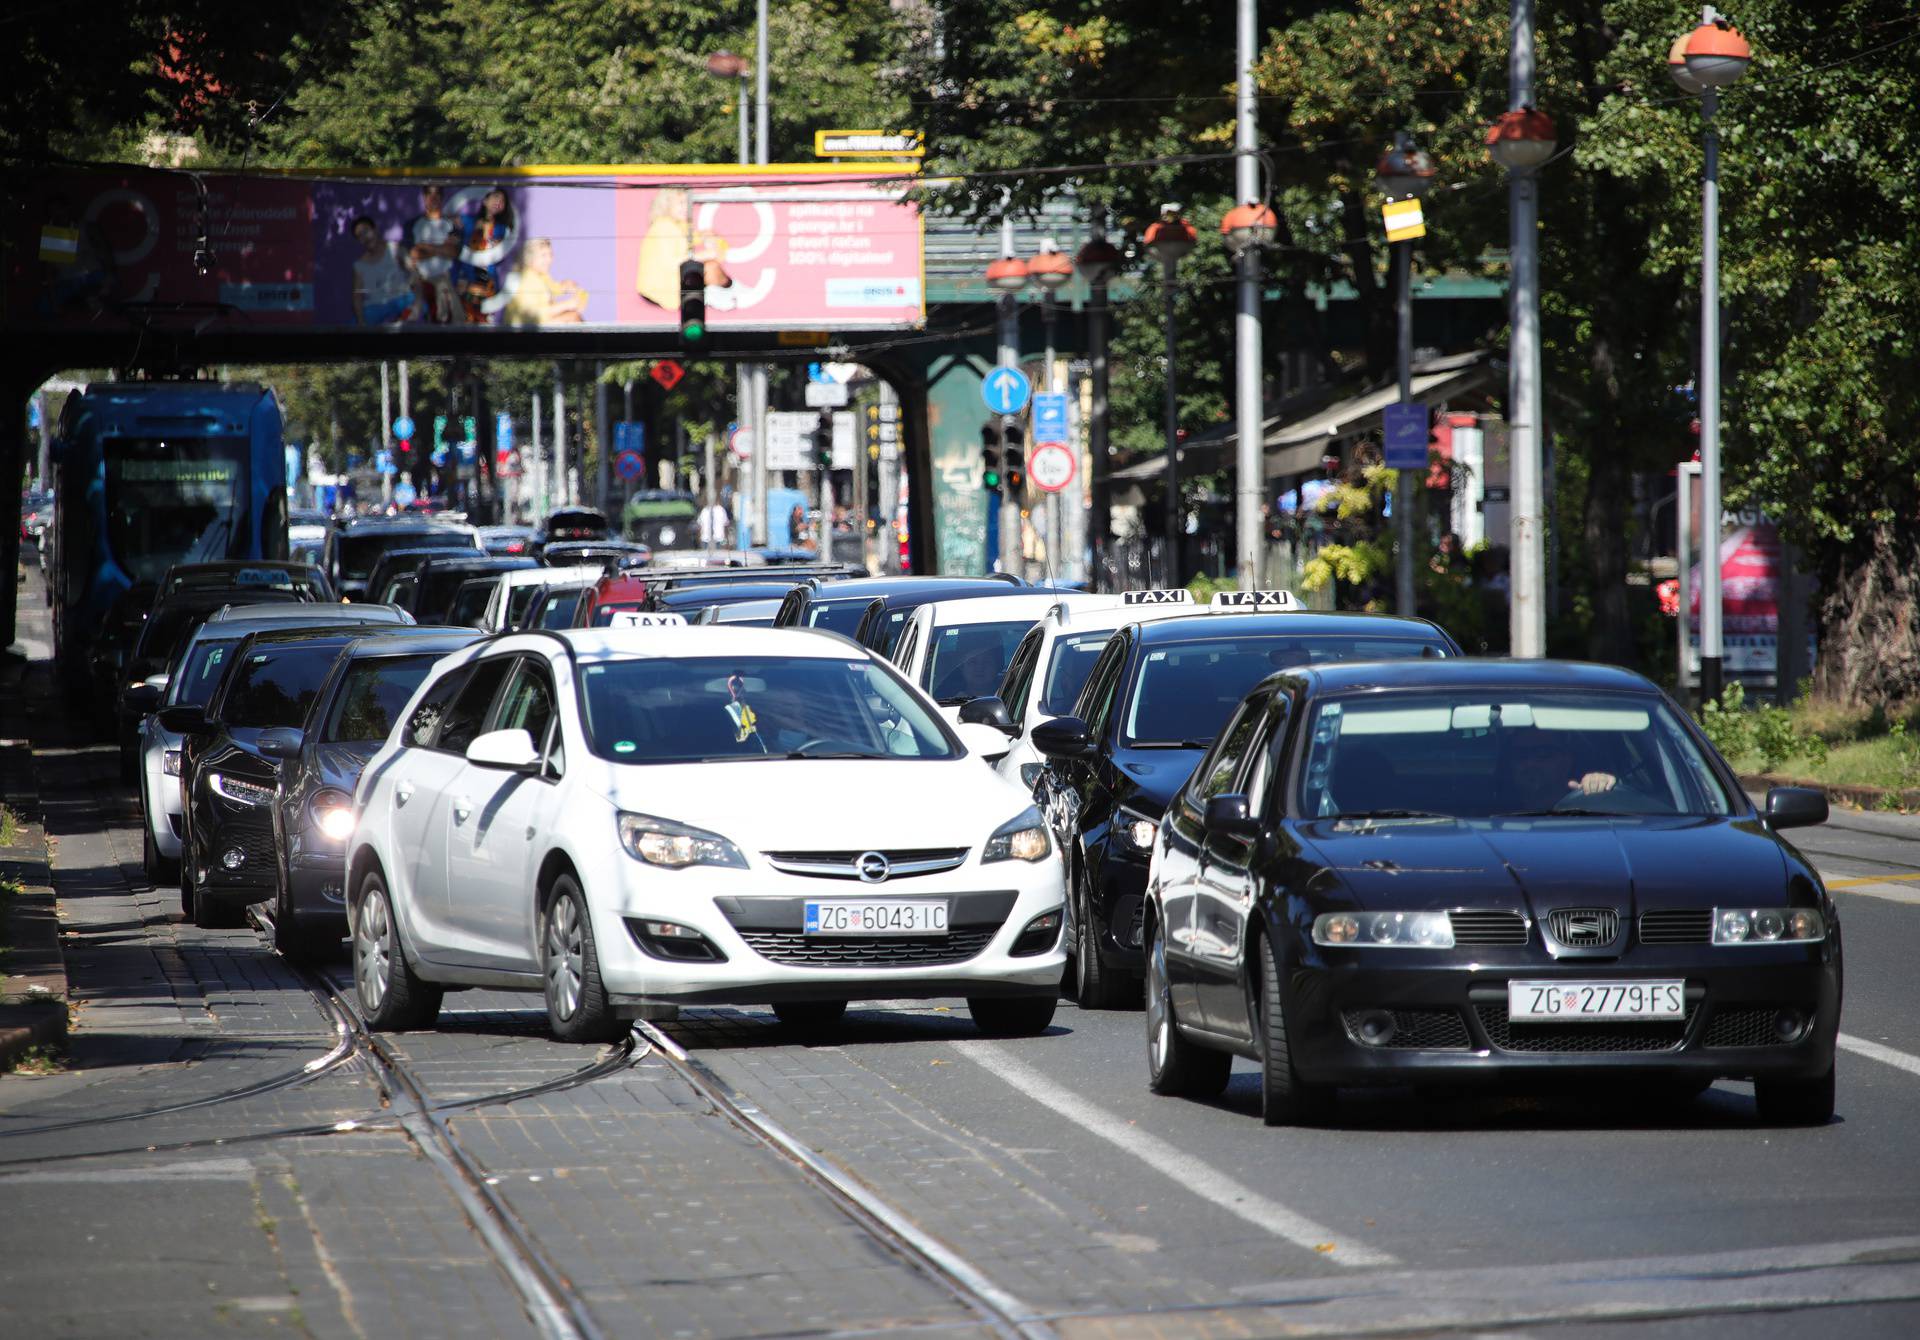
{"type": "Point", "coordinates": [40, 1059]}
{"type": "Point", "coordinates": [9, 826]}
{"type": "Point", "coordinates": [1833, 743]}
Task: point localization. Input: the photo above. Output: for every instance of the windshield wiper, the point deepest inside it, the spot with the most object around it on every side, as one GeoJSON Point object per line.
{"type": "Point", "coordinates": [1572, 811]}
{"type": "Point", "coordinates": [1390, 814]}
{"type": "Point", "coordinates": [835, 753]}
{"type": "Point", "coordinates": [1174, 744]}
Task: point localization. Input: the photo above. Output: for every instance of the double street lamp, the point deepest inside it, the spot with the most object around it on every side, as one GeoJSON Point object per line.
{"type": "Point", "coordinates": [1703, 62]}
{"type": "Point", "coordinates": [1404, 173]}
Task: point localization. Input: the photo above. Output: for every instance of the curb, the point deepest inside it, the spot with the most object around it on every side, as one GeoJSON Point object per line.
{"type": "Point", "coordinates": [33, 983]}
{"type": "Point", "coordinates": [1867, 798]}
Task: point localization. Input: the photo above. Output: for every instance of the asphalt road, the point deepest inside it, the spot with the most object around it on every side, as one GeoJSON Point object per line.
{"type": "Point", "coordinates": [1043, 1166]}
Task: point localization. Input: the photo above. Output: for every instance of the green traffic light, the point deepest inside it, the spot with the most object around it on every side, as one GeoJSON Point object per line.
{"type": "Point", "coordinates": [693, 330]}
{"type": "Point", "coordinates": [991, 479]}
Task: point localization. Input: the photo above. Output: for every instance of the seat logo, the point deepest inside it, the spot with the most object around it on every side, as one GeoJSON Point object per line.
{"type": "Point", "coordinates": [872, 867]}
{"type": "Point", "coordinates": [1585, 927]}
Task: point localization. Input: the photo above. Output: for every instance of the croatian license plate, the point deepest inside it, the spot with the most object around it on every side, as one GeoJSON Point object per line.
{"type": "Point", "coordinates": [1575, 1002]}
{"type": "Point", "coordinates": [876, 916]}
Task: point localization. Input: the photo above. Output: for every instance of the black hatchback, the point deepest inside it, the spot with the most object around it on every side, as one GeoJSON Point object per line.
{"type": "Point", "coordinates": [319, 766]}
{"type": "Point", "coordinates": [226, 782]}
{"type": "Point", "coordinates": [1473, 871]}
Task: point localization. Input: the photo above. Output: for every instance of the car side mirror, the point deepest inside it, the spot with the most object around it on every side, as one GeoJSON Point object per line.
{"type": "Point", "coordinates": [1796, 807]}
{"type": "Point", "coordinates": [982, 739]}
{"type": "Point", "coordinates": [988, 711]}
{"type": "Point", "coordinates": [1229, 816]}
{"type": "Point", "coordinates": [1062, 737]}
{"type": "Point", "coordinates": [183, 719]}
{"type": "Point", "coordinates": [281, 742]}
{"type": "Point", "coordinates": [141, 699]}
{"type": "Point", "coordinates": [509, 749]}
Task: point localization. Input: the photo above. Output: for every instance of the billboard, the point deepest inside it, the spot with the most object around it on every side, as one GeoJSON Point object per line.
{"type": "Point", "coordinates": [806, 246]}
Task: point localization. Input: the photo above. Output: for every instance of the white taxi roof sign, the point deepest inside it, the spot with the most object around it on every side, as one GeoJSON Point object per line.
{"type": "Point", "coordinates": [1254, 600]}
{"type": "Point", "coordinates": [647, 619]}
{"type": "Point", "coordinates": [1178, 595]}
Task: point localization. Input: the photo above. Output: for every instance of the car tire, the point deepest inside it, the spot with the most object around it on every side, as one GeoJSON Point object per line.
{"type": "Point", "coordinates": [1285, 1098]}
{"type": "Point", "coordinates": [1011, 1017]}
{"type": "Point", "coordinates": [392, 998]}
{"type": "Point", "coordinates": [1795, 1102]}
{"type": "Point", "coordinates": [1175, 1066]}
{"type": "Point", "coordinates": [811, 1017]}
{"type": "Point", "coordinates": [577, 1006]}
{"type": "Point", "coordinates": [1098, 986]}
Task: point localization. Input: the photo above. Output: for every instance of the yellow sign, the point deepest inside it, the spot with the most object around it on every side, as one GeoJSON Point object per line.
{"type": "Point", "coordinates": [804, 339]}
{"type": "Point", "coordinates": [868, 144]}
{"type": "Point", "coordinates": [1404, 220]}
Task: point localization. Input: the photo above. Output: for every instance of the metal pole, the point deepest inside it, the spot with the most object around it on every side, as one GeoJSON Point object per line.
{"type": "Point", "coordinates": [1009, 357]}
{"type": "Point", "coordinates": [861, 505]}
{"type": "Point", "coordinates": [889, 502]}
{"type": "Point", "coordinates": [536, 460]}
{"type": "Point", "coordinates": [1249, 400]}
{"type": "Point", "coordinates": [1683, 542]}
{"type": "Point", "coordinates": [1404, 486]}
{"type": "Point", "coordinates": [757, 373]}
{"type": "Point", "coordinates": [386, 439]}
{"type": "Point", "coordinates": [1100, 521]}
{"type": "Point", "coordinates": [564, 474]}
{"type": "Point", "coordinates": [745, 100]}
{"type": "Point", "coordinates": [711, 488]}
{"type": "Point", "coordinates": [1527, 625]}
{"type": "Point", "coordinates": [1047, 380]}
{"type": "Point", "coordinates": [603, 448]}
{"type": "Point", "coordinates": [1710, 638]}
{"type": "Point", "coordinates": [1173, 565]}
{"type": "Point", "coordinates": [406, 409]}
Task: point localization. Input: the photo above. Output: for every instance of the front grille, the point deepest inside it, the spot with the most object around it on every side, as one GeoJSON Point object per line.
{"type": "Point", "coordinates": [1676, 928]}
{"type": "Point", "coordinates": [868, 951]}
{"type": "Point", "coordinates": [1743, 1026]}
{"type": "Point", "coordinates": [1417, 1030]}
{"type": "Point", "coordinates": [902, 862]}
{"type": "Point", "coordinates": [1658, 1035]}
{"type": "Point", "coordinates": [1488, 928]}
{"type": "Point", "coordinates": [1584, 927]}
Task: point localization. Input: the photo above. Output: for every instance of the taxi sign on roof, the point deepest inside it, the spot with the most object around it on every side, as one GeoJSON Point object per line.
{"type": "Point", "coordinates": [1255, 600]}
{"type": "Point", "coordinates": [1177, 596]}
{"type": "Point", "coordinates": [647, 619]}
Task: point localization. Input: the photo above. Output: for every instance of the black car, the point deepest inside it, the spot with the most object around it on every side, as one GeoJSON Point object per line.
{"type": "Point", "coordinates": [554, 606]}
{"type": "Point", "coordinates": [1152, 704]}
{"type": "Point", "coordinates": [578, 553]}
{"type": "Point", "coordinates": [1479, 871]}
{"type": "Point", "coordinates": [438, 579]}
{"type": "Point", "coordinates": [247, 575]}
{"type": "Point", "coordinates": [355, 547]}
{"type": "Point", "coordinates": [575, 523]}
{"type": "Point", "coordinates": [840, 606]}
{"type": "Point", "coordinates": [226, 783]}
{"type": "Point", "coordinates": [319, 767]}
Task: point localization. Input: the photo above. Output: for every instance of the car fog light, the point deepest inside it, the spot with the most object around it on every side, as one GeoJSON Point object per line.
{"type": "Point", "coordinates": [233, 858]}
{"type": "Point", "coordinates": [670, 930]}
{"type": "Point", "coordinates": [1375, 1027]}
{"type": "Point", "coordinates": [1789, 1024]}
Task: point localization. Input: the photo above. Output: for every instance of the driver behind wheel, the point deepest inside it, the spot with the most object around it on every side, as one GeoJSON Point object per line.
{"type": "Point", "coordinates": [1542, 771]}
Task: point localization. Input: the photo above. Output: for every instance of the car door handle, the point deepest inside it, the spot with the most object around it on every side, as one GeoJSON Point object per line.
{"type": "Point", "coordinates": [462, 807]}
{"type": "Point", "coordinates": [403, 793]}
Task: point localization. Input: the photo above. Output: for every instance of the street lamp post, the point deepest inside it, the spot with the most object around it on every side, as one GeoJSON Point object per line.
{"type": "Point", "coordinates": [1098, 261]}
{"type": "Point", "coordinates": [1247, 228]}
{"type": "Point", "coordinates": [1712, 57]}
{"type": "Point", "coordinates": [1008, 276]}
{"type": "Point", "coordinates": [1052, 270]}
{"type": "Point", "coordinates": [1405, 173]}
{"type": "Point", "coordinates": [1169, 238]}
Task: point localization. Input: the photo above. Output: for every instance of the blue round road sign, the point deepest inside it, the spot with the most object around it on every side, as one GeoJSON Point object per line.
{"type": "Point", "coordinates": [1006, 390]}
{"type": "Point", "coordinates": [403, 428]}
{"type": "Point", "coordinates": [629, 464]}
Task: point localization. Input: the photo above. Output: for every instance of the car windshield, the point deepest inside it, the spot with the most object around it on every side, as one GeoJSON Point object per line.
{"type": "Point", "coordinates": [519, 600]}
{"type": "Point", "coordinates": [197, 678]}
{"type": "Point", "coordinates": [370, 698]}
{"type": "Point", "coordinates": [172, 500]}
{"type": "Point", "coordinates": [1067, 672]}
{"type": "Point", "coordinates": [1478, 753]}
{"type": "Point", "coordinates": [275, 686]}
{"type": "Point", "coordinates": [561, 608]}
{"type": "Point", "coordinates": [470, 602]}
{"type": "Point", "coordinates": [1186, 690]}
{"type": "Point", "coordinates": [358, 553]}
{"type": "Point", "coordinates": [968, 660]}
{"type": "Point", "coordinates": [167, 631]}
{"type": "Point", "coordinates": [716, 709]}
{"type": "Point", "coordinates": [837, 616]}
{"type": "Point", "coordinates": [433, 595]}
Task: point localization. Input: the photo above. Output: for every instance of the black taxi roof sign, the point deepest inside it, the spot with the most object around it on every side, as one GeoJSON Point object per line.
{"type": "Point", "coordinates": [1255, 600]}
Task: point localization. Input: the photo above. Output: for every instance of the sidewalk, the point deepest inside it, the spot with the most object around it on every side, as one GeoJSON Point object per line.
{"type": "Point", "coordinates": [33, 974]}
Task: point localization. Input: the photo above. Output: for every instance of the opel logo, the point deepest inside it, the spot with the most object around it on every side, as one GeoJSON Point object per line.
{"type": "Point", "coordinates": [872, 867]}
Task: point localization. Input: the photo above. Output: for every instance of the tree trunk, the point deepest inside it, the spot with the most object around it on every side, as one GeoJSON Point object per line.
{"type": "Point", "coordinates": [1870, 623]}
{"type": "Point", "coordinates": [1609, 491]}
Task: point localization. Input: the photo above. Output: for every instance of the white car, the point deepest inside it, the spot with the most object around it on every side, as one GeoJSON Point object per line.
{"type": "Point", "coordinates": [513, 592]}
{"type": "Point", "coordinates": [1050, 667]}
{"type": "Point", "coordinates": [958, 650]}
{"type": "Point", "coordinates": [636, 818]}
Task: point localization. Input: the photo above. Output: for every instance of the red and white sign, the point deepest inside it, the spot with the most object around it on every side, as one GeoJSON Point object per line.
{"type": "Point", "coordinates": [1050, 467]}
{"type": "Point", "coordinates": [668, 373]}
{"type": "Point", "coordinates": [740, 443]}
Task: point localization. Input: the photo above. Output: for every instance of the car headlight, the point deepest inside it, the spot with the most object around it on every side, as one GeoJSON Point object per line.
{"type": "Point", "coordinates": [237, 791]}
{"type": "Point", "coordinates": [332, 813]}
{"type": "Point", "coordinates": [1136, 831]}
{"type": "Point", "coordinates": [1767, 925]}
{"type": "Point", "coordinates": [1022, 838]}
{"type": "Point", "coordinates": [675, 846]}
{"type": "Point", "coordinates": [1384, 930]}
{"type": "Point", "coordinates": [170, 763]}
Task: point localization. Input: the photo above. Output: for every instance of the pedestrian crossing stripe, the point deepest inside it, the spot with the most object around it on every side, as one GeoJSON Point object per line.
{"type": "Point", "coordinates": [1404, 220]}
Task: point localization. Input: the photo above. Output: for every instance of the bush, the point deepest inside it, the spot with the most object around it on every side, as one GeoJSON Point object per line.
{"type": "Point", "coordinates": [1766, 732]}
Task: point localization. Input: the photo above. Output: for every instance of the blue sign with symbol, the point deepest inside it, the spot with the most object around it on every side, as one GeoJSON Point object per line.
{"type": "Point", "coordinates": [503, 432]}
{"type": "Point", "coordinates": [1404, 434]}
{"type": "Point", "coordinates": [403, 493]}
{"type": "Point", "coordinates": [383, 462]}
{"type": "Point", "coordinates": [403, 428]}
{"type": "Point", "coordinates": [439, 455]}
{"type": "Point", "coordinates": [1050, 417]}
{"type": "Point", "coordinates": [1006, 390]}
{"type": "Point", "coordinates": [629, 464]}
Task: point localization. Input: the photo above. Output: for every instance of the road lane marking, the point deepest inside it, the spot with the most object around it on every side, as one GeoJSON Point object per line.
{"type": "Point", "coordinates": [200, 1170]}
{"type": "Point", "coordinates": [1875, 1051]}
{"type": "Point", "coordinates": [1166, 1158]}
{"type": "Point", "coordinates": [1855, 883]}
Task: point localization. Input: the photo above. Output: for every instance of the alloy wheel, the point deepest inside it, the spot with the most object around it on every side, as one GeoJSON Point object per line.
{"type": "Point", "coordinates": [372, 950]}
{"type": "Point", "coordinates": [566, 957]}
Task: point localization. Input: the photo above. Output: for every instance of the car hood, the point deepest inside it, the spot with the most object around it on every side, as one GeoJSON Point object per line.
{"type": "Point", "coordinates": [1157, 773]}
{"type": "Point", "coordinates": [1534, 865]}
{"type": "Point", "coordinates": [885, 804]}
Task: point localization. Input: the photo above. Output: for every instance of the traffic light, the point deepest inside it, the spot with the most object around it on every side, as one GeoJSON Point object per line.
{"type": "Point", "coordinates": [693, 302]}
{"type": "Point", "coordinates": [1015, 457]}
{"type": "Point", "coordinates": [990, 457]}
{"type": "Point", "coordinates": [823, 440]}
